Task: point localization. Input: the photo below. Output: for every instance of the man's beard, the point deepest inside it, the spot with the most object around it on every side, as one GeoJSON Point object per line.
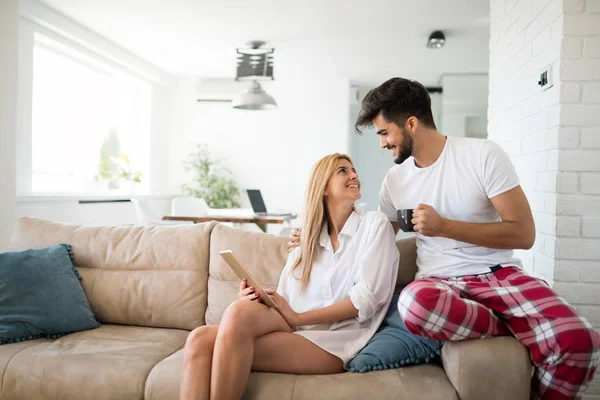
{"type": "Point", "coordinates": [405, 151]}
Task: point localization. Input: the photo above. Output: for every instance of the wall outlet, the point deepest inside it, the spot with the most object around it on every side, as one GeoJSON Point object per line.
{"type": "Point", "coordinates": [545, 80]}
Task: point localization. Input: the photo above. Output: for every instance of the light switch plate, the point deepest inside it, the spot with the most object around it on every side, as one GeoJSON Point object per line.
{"type": "Point", "coordinates": [545, 79]}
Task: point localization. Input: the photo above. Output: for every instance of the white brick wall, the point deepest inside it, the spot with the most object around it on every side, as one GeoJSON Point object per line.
{"type": "Point", "coordinates": [553, 136]}
{"type": "Point", "coordinates": [580, 66]}
{"type": "Point", "coordinates": [526, 36]}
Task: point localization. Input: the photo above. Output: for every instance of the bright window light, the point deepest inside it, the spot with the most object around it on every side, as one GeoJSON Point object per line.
{"type": "Point", "coordinates": [82, 115]}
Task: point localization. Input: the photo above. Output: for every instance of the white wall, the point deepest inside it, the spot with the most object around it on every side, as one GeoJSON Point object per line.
{"type": "Point", "coordinates": [8, 117]}
{"type": "Point", "coordinates": [522, 118]}
{"type": "Point", "coordinates": [577, 268]}
{"type": "Point", "coordinates": [465, 96]}
{"type": "Point", "coordinates": [552, 136]}
{"type": "Point", "coordinates": [270, 150]}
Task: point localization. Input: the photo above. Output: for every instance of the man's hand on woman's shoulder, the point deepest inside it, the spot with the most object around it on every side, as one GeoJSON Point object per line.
{"type": "Point", "coordinates": [294, 240]}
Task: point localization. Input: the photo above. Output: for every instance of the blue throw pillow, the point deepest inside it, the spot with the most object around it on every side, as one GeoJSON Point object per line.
{"type": "Point", "coordinates": [41, 295]}
{"type": "Point", "coordinates": [393, 346]}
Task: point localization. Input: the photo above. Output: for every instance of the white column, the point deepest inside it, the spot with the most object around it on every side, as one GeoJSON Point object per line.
{"type": "Point", "coordinates": [553, 136]}
{"type": "Point", "coordinates": [8, 116]}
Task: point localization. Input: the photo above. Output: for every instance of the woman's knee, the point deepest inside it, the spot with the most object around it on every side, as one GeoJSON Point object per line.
{"type": "Point", "coordinates": [238, 317]}
{"type": "Point", "coordinates": [201, 341]}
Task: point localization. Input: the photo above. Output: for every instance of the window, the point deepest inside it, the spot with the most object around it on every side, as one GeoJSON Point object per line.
{"type": "Point", "coordinates": [90, 123]}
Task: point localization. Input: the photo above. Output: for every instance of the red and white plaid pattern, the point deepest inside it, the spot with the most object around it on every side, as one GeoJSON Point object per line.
{"type": "Point", "coordinates": [564, 347]}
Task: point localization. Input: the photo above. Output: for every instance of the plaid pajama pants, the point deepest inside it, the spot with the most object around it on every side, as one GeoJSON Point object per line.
{"type": "Point", "coordinates": [564, 347]}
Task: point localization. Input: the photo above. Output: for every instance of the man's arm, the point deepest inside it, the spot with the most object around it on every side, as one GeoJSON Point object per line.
{"type": "Point", "coordinates": [516, 231]}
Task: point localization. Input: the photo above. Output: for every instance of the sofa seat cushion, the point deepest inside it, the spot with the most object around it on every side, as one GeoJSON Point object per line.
{"type": "Point", "coordinates": [9, 351]}
{"type": "Point", "coordinates": [111, 362]}
{"type": "Point", "coordinates": [423, 382]}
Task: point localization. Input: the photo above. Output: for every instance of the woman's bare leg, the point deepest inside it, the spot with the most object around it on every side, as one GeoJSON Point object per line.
{"type": "Point", "coordinates": [197, 361]}
{"type": "Point", "coordinates": [289, 353]}
{"type": "Point", "coordinates": [242, 323]}
{"type": "Point", "coordinates": [278, 351]}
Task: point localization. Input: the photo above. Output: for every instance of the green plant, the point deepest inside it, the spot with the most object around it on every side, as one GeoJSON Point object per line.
{"type": "Point", "coordinates": [210, 181]}
{"type": "Point", "coordinates": [113, 169]}
{"type": "Point", "coordinates": [108, 170]}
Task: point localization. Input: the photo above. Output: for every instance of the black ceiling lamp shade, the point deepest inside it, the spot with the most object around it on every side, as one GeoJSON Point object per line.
{"type": "Point", "coordinates": [255, 62]}
{"type": "Point", "coordinates": [437, 39]}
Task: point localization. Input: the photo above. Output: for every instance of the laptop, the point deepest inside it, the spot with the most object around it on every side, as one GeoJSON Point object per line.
{"type": "Point", "coordinates": [258, 205]}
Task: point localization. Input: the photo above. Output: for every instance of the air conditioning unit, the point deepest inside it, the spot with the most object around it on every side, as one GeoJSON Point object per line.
{"type": "Point", "coordinates": [219, 89]}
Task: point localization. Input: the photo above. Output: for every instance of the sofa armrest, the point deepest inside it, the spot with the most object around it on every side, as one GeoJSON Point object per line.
{"type": "Point", "coordinates": [493, 368]}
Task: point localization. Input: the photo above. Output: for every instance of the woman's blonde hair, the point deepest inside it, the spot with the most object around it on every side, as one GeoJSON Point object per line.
{"type": "Point", "coordinates": [315, 213]}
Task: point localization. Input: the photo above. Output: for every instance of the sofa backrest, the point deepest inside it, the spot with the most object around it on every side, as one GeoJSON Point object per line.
{"type": "Point", "coordinates": [262, 254]}
{"type": "Point", "coordinates": [265, 256]}
{"type": "Point", "coordinates": [133, 275]}
{"type": "Point", "coordinates": [407, 268]}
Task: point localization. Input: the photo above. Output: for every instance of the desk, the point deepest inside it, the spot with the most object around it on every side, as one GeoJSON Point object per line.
{"type": "Point", "coordinates": [260, 221]}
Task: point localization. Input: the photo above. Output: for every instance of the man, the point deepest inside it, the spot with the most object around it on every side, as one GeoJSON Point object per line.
{"type": "Point", "coordinates": [469, 214]}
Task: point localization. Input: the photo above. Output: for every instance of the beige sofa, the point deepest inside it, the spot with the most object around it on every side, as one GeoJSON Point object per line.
{"type": "Point", "coordinates": [149, 286]}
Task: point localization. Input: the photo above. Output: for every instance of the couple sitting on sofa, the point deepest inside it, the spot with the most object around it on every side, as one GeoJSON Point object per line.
{"type": "Point", "coordinates": [339, 278]}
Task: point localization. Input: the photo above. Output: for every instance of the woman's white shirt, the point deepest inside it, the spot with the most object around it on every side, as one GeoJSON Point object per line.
{"type": "Point", "coordinates": [364, 269]}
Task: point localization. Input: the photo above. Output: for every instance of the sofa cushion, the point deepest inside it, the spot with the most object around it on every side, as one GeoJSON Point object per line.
{"type": "Point", "coordinates": [407, 269]}
{"type": "Point", "coordinates": [8, 351]}
{"type": "Point", "coordinates": [165, 379]}
{"type": "Point", "coordinates": [419, 382]}
{"type": "Point", "coordinates": [132, 275]}
{"type": "Point", "coordinates": [423, 382]}
{"type": "Point", "coordinates": [263, 255]}
{"type": "Point", "coordinates": [41, 295]}
{"type": "Point", "coordinates": [111, 362]}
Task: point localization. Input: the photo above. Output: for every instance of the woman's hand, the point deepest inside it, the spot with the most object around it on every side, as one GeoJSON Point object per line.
{"type": "Point", "coordinates": [294, 240]}
{"type": "Point", "coordinates": [247, 293]}
{"type": "Point", "coordinates": [290, 316]}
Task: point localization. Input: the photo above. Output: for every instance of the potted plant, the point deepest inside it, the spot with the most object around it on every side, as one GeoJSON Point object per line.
{"type": "Point", "coordinates": [210, 181]}
{"type": "Point", "coordinates": [115, 169]}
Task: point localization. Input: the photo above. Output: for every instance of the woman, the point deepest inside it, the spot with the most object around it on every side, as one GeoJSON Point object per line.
{"type": "Point", "coordinates": [332, 296]}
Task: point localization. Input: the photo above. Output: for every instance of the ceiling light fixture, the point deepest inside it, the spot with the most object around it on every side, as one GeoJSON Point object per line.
{"type": "Point", "coordinates": [436, 40]}
{"type": "Point", "coordinates": [255, 63]}
{"type": "Point", "coordinates": [255, 98]}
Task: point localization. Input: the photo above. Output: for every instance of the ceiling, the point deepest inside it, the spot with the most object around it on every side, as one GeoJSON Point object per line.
{"type": "Point", "coordinates": [366, 41]}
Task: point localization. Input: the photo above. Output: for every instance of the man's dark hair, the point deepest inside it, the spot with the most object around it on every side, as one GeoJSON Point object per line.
{"type": "Point", "coordinates": [397, 100]}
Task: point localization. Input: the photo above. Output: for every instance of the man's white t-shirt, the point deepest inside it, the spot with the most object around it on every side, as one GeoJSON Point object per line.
{"type": "Point", "coordinates": [459, 185]}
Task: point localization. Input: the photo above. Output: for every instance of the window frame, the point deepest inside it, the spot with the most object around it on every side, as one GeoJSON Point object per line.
{"type": "Point", "coordinates": [35, 18]}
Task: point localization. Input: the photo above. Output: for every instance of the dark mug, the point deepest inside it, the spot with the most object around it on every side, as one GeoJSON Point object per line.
{"type": "Point", "coordinates": [405, 219]}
